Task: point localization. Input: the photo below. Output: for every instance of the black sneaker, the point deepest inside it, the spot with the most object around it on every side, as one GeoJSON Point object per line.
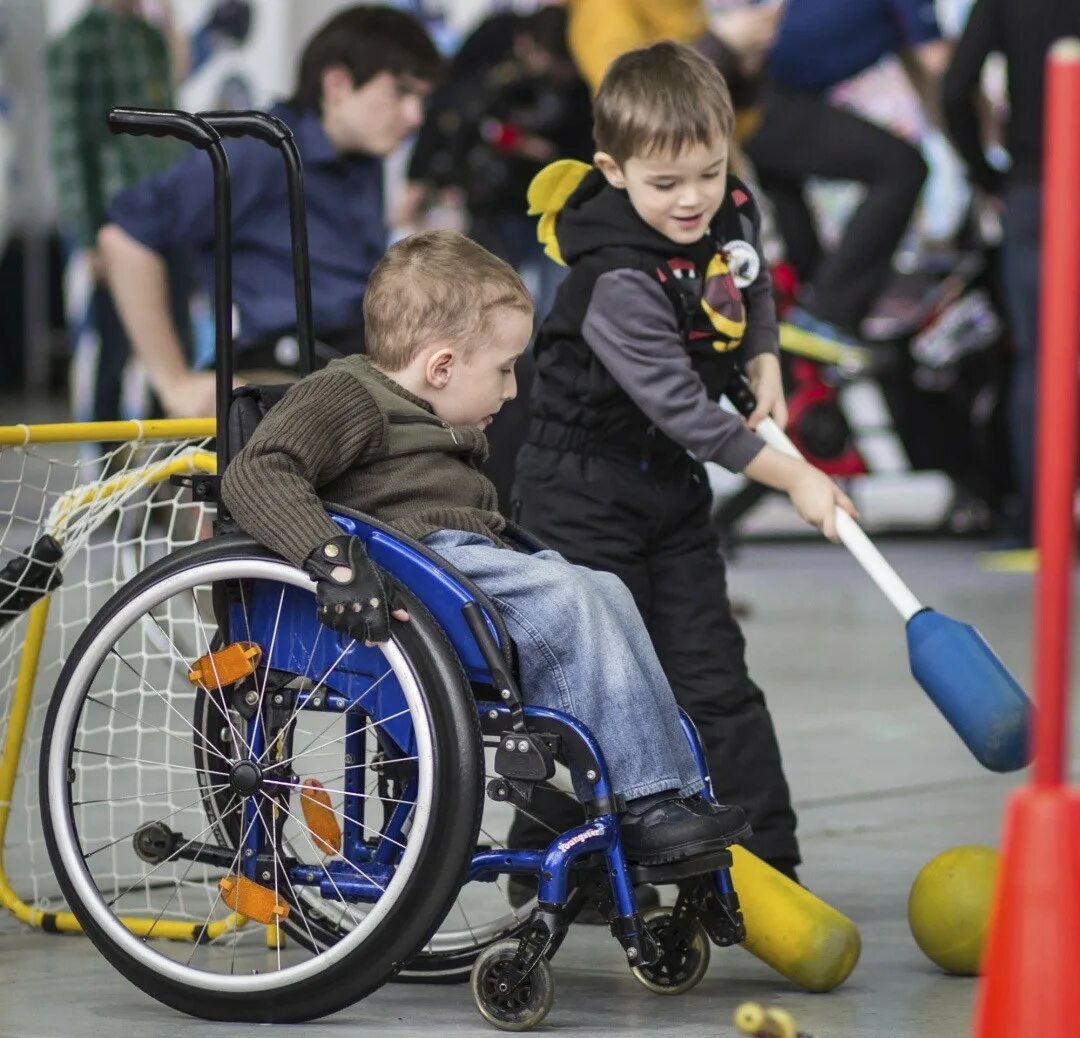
{"type": "Point", "coordinates": [666, 827]}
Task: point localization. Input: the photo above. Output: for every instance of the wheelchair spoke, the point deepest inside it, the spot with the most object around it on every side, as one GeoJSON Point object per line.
{"type": "Point", "coordinates": [176, 890]}
{"type": "Point", "coordinates": [244, 612]}
{"type": "Point", "coordinates": [368, 828]}
{"type": "Point", "coordinates": [165, 700]}
{"type": "Point", "coordinates": [345, 793]}
{"type": "Point", "coordinates": [154, 727]}
{"type": "Point", "coordinates": [370, 765]}
{"type": "Point", "coordinates": [270, 655]}
{"type": "Point", "coordinates": [127, 836]}
{"type": "Point", "coordinates": [297, 901]}
{"type": "Point", "coordinates": [310, 748]}
{"type": "Point", "coordinates": [309, 693]}
{"type": "Point", "coordinates": [337, 854]}
{"type": "Point", "coordinates": [185, 665]}
{"type": "Point", "coordinates": [234, 870]}
{"type": "Point", "coordinates": [154, 763]}
{"type": "Point", "coordinates": [346, 905]}
{"type": "Point", "coordinates": [141, 796]}
{"type": "Point", "coordinates": [340, 739]}
{"type": "Point", "coordinates": [168, 861]}
{"type": "Point", "coordinates": [240, 740]}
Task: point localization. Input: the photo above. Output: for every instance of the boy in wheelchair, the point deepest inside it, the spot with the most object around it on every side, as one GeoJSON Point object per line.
{"type": "Point", "coordinates": [398, 434]}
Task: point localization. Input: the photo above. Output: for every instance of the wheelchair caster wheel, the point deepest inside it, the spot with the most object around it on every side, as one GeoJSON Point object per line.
{"type": "Point", "coordinates": [684, 957]}
{"type": "Point", "coordinates": [511, 1010]}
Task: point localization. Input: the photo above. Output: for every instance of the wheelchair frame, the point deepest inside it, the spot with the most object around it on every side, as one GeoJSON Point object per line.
{"type": "Point", "coordinates": [589, 857]}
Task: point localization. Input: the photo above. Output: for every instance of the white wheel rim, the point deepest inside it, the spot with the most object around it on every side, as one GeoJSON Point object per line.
{"type": "Point", "coordinates": [68, 844]}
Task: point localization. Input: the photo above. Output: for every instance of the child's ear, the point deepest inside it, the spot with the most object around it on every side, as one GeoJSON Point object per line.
{"type": "Point", "coordinates": [439, 367]}
{"type": "Point", "coordinates": [336, 83]}
{"type": "Point", "coordinates": [610, 168]}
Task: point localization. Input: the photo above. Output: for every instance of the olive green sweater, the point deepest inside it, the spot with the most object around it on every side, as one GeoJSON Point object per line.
{"type": "Point", "coordinates": [352, 436]}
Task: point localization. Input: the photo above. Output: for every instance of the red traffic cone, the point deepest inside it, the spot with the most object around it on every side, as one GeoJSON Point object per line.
{"type": "Point", "coordinates": [1031, 965]}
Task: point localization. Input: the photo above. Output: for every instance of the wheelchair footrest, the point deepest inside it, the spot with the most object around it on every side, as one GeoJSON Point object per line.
{"type": "Point", "coordinates": [673, 872]}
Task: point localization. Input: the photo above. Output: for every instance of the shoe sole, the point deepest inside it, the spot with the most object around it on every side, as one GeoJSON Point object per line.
{"type": "Point", "coordinates": [693, 849]}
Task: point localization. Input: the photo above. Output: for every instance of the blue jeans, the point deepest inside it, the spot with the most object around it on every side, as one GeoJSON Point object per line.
{"type": "Point", "coordinates": [583, 649]}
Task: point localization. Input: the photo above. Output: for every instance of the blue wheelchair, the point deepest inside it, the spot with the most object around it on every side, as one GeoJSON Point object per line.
{"type": "Point", "coordinates": [300, 817]}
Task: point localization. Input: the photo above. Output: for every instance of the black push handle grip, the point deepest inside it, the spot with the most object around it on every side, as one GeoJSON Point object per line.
{"type": "Point", "coordinates": [273, 131]}
{"type": "Point", "coordinates": [168, 122]}
{"type": "Point", "coordinates": [264, 127]}
{"type": "Point", "coordinates": [163, 122]}
{"type": "Point", "coordinates": [738, 391]}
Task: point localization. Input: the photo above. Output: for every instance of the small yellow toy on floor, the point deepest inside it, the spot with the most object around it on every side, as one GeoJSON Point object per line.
{"type": "Point", "coordinates": [758, 1022]}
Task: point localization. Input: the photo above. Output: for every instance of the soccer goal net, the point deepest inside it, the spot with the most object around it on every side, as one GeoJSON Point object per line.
{"type": "Point", "coordinates": [83, 509]}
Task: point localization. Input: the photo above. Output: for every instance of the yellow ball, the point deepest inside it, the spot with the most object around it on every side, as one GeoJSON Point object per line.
{"type": "Point", "coordinates": [949, 907]}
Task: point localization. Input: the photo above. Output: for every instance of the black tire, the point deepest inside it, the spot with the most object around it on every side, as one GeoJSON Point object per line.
{"type": "Point", "coordinates": [426, 892]}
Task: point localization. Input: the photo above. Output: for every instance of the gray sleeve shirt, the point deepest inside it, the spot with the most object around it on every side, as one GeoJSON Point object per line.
{"type": "Point", "coordinates": [631, 327]}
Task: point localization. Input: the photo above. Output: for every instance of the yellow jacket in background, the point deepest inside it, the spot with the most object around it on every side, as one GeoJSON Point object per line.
{"type": "Point", "coordinates": [600, 30]}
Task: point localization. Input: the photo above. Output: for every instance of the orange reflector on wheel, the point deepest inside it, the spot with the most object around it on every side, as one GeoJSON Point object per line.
{"type": "Point", "coordinates": [226, 666]}
{"type": "Point", "coordinates": [253, 900]}
{"type": "Point", "coordinates": [319, 816]}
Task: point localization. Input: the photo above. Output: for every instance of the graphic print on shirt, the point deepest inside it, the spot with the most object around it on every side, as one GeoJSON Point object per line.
{"type": "Point", "coordinates": [719, 314]}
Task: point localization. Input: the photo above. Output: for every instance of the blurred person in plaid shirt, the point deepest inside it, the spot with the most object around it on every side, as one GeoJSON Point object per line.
{"type": "Point", "coordinates": [112, 55]}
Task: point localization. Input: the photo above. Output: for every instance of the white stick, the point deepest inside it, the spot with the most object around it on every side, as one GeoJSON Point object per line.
{"type": "Point", "coordinates": [853, 537]}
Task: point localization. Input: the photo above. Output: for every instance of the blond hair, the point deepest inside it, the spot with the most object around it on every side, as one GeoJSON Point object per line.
{"type": "Point", "coordinates": [433, 287]}
{"type": "Point", "coordinates": [660, 98]}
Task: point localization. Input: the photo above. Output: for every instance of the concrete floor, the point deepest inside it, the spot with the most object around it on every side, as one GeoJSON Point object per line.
{"type": "Point", "coordinates": [880, 781]}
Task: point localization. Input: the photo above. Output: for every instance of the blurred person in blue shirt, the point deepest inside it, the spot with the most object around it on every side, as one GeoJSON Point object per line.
{"type": "Point", "coordinates": [360, 90]}
{"type": "Point", "coordinates": [820, 44]}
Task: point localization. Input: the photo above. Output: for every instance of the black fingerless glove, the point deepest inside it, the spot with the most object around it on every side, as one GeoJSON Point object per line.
{"type": "Point", "coordinates": [350, 590]}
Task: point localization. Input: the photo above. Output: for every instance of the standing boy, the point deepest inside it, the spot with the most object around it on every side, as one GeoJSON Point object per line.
{"type": "Point", "coordinates": [667, 291]}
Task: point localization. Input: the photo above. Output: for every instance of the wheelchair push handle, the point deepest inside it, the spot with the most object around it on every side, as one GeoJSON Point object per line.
{"type": "Point", "coordinates": [271, 130]}
{"type": "Point", "coordinates": [184, 126]}
{"type": "Point", "coordinates": [260, 125]}
{"type": "Point", "coordinates": [151, 122]}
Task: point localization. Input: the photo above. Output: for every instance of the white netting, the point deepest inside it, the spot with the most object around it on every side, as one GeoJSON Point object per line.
{"type": "Point", "coordinates": [111, 517]}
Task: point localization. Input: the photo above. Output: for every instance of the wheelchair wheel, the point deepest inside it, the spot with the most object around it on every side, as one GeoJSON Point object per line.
{"type": "Point", "coordinates": [684, 954]}
{"type": "Point", "coordinates": [520, 1009]}
{"type": "Point", "coordinates": [278, 888]}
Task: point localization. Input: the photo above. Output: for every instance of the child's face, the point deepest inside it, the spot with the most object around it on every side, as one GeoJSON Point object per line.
{"type": "Point", "coordinates": [677, 195]}
{"type": "Point", "coordinates": [470, 390]}
{"type": "Point", "coordinates": [374, 118]}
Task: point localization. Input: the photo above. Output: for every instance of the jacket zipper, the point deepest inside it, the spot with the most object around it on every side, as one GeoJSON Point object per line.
{"type": "Point", "coordinates": [401, 419]}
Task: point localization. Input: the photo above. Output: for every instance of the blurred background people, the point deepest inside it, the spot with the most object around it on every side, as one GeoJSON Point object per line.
{"type": "Point", "coordinates": [361, 84]}
{"type": "Point", "coordinates": [736, 39]}
{"type": "Point", "coordinates": [820, 44]}
{"type": "Point", "coordinates": [112, 55]}
{"type": "Point", "coordinates": [1021, 31]}
{"type": "Point", "coordinates": [512, 101]}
